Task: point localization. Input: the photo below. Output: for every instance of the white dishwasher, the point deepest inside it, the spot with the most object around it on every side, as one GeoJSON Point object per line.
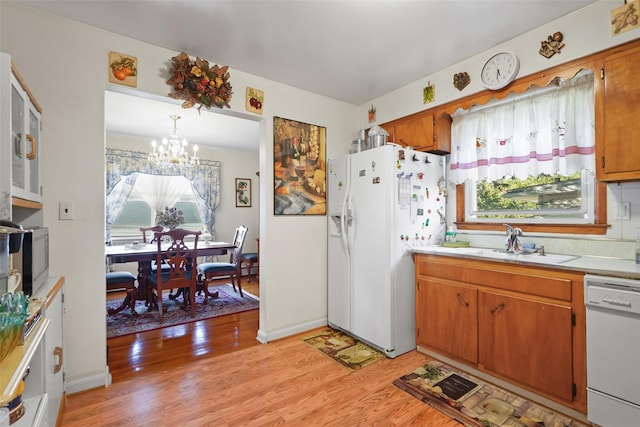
{"type": "Point", "coordinates": [613, 350]}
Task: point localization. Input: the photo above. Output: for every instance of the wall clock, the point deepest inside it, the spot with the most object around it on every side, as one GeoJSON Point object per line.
{"type": "Point", "coordinates": [500, 70]}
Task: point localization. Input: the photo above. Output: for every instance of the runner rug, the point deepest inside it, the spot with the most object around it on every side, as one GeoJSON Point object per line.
{"type": "Point", "coordinates": [473, 402]}
{"type": "Point", "coordinates": [228, 302]}
{"type": "Point", "coordinates": [347, 351]}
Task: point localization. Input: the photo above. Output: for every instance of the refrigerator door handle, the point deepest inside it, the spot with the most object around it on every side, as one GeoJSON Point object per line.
{"type": "Point", "coordinates": [345, 222]}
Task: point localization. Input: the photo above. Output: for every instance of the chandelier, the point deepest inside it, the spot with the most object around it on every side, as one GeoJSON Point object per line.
{"type": "Point", "coordinates": [172, 151]}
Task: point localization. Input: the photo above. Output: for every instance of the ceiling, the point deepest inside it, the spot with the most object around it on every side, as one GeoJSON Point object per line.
{"type": "Point", "coordinates": [349, 50]}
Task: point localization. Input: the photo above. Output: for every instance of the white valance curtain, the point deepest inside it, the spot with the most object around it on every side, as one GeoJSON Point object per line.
{"type": "Point", "coordinates": [549, 132]}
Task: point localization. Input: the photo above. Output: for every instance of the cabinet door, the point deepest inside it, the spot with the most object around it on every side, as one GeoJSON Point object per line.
{"type": "Point", "coordinates": [446, 316]}
{"type": "Point", "coordinates": [621, 157]}
{"type": "Point", "coordinates": [32, 153]}
{"type": "Point", "coordinates": [415, 132]}
{"type": "Point", "coordinates": [53, 359]}
{"type": "Point", "coordinates": [25, 145]}
{"type": "Point", "coordinates": [18, 137]}
{"type": "Point", "coordinates": [528, 341]}
{"type": "Point", "coordinates": [442, 135]}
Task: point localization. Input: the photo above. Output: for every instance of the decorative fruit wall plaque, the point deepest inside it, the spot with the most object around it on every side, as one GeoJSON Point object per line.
{"type": "Point", "coordinates": [428, 93]}
{"type": "Point", "coordinates": [461, 80]}
{"type": "Point", "coordinates": [123, 69]}
{"type": "Point", "coordinates": [255, 99]}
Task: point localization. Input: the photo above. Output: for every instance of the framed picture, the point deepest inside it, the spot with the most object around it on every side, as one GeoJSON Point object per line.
{"type": "Point", "coordinates": [243, 192]}
{"type": "Point", "coordinates": [299, 168]}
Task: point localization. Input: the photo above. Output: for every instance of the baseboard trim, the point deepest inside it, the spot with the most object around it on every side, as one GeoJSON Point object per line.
{"type": "Point", "coordinates": [264, 337]}
{"type": "Point", "coordinates": [88, 382]}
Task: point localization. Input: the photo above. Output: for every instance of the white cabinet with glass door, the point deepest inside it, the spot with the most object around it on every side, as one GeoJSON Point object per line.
{"type": "Point", "coordinates": [19, 139]}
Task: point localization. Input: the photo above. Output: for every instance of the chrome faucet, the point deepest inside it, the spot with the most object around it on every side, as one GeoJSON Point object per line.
{"type": "Point", "coordinates": [513, 242]}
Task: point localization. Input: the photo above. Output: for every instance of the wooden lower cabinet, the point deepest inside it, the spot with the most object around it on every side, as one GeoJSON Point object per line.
{"type": "Point", "coordinates": [521, 324]}
{"type": "Point", "coordinates": [446, 316]}
{"type": "Point", "coordinates": [527, 341]}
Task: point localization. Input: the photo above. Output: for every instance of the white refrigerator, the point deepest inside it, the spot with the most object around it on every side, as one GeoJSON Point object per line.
{"type": "Point", "coordinates": [381, 203]}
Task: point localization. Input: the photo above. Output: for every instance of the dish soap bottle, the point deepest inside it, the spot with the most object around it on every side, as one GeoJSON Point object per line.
{"type": "Point", "coordinates": [450, 235]}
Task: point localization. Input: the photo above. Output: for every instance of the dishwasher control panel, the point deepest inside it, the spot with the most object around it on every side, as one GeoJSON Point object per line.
{"type": "Point", "coordinates": [612, 293]}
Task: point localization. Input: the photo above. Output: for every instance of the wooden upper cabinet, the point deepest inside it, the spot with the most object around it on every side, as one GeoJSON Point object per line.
{"type": "Point", "coordinates": [618, 154]}
{"type": "Point", "coordinates": [428, 131]}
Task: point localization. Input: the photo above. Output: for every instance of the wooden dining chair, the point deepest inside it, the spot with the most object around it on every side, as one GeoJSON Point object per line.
{"type": "Point", "coordinates": [148, 233]}
{"type": "Point", "coordinates": [123, 280]}
{"type": "Point", "coordinates": [183, 267]}
{"type": "Point", "coordinates": [211, 270]}
{"type": "Point", "coordinates": [148, 236]}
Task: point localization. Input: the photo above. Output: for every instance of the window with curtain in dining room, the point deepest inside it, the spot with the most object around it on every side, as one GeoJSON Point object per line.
{"type": "Point", "coordinates": [529, 157]}
{"type": "Point", "coordinates": [150, 195]}
{"type": "Point", "coordinates": [136, 190]}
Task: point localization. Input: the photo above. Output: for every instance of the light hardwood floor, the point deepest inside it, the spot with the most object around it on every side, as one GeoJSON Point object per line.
{"type": "Point", "coordinates": [214, 373]}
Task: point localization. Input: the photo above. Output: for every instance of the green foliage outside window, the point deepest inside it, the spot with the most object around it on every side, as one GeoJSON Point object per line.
{"type": "Point", "coordinates": [542, 192]}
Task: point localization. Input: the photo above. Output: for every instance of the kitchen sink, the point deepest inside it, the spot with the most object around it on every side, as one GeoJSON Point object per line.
{"type": "Point", "coordinates": [529, 257]}
{"type": "Point", "coordinates": [501, 254]}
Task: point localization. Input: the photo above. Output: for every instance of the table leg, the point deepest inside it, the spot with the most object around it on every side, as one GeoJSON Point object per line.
{"type": "Point", "coordinates": [249, 265]}
{"type": "Point", "coordinates": [201, 285]}
{"type": "Point", "coordinates": [128, 301]}
{"type": "Point", "coordinates": [145, 292]}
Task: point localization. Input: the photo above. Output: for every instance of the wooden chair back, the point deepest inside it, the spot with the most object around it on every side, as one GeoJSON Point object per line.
{"type": "Point", "coordinates": [151, 230]}
{"type": "Point", "coordinates": [181, 257]}
{"type": "Point", "coordinates": [238, 242]}
{"type": "Point", "coordinates": [209, 270]}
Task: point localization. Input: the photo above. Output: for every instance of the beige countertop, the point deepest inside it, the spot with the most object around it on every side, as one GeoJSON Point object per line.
{"type": "Point", "coordinates": [605, 266]}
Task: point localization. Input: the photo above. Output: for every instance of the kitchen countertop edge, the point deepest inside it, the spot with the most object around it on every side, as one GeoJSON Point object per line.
{"type": "Point", "coordinates": [603, 266]}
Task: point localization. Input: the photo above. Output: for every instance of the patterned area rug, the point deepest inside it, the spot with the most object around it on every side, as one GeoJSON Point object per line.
{"type": "Point", "coordinates": [473, 402]}
{"type": "Point", "coordinates": [228, 302]}
{"type": "Point", "coordinates": [348, 351]}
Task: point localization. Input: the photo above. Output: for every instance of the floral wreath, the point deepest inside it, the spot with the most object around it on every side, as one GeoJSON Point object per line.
{"type": "Point", "coordinates": [197, 83]}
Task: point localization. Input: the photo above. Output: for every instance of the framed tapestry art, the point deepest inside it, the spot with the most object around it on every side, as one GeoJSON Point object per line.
{"type": "Point", "coordinates": [243, 193]}
{"type": "Point", "coordinates": [299, 168]}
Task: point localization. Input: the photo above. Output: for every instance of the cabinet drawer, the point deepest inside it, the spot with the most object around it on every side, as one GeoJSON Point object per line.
{"type": "Point", "coordinates": [506, 276]}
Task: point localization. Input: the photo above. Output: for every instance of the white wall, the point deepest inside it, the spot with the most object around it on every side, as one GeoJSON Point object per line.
{"type": "Point", "coordinates": [65, 65]}
{"type": "Point", "coordinates": [585, 31]}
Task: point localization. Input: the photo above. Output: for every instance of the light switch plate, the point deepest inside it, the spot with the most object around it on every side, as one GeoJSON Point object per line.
{"type": "Point", "coordinates": [66, 211]}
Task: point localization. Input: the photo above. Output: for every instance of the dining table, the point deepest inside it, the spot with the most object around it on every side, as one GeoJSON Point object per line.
{"type": "Point", "coordinates": [145, 253]}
